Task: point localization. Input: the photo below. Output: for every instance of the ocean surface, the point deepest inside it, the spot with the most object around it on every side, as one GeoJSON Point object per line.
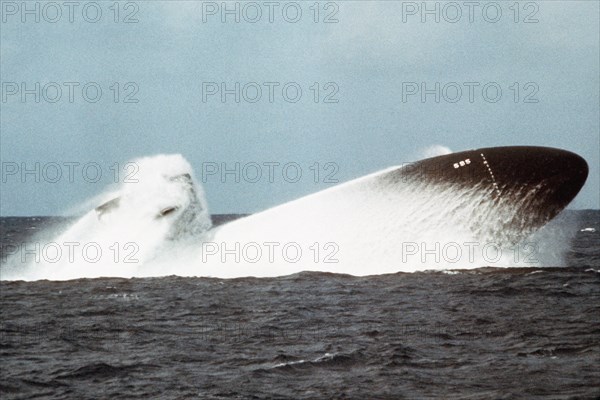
{"type": "Point", "coordinates": [488, 333]}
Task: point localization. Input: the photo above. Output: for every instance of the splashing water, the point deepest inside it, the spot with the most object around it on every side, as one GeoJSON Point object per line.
{"type": "Point", "coordinates": [435, 150]}
{"type": "Point", "coordinates": [127, 231]}
{"type": "Point", "coordinates": [159, 225]}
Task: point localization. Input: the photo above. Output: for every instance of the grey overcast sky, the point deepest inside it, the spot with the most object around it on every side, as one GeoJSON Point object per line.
{"type": "Point", "coordinates": [381, 83]}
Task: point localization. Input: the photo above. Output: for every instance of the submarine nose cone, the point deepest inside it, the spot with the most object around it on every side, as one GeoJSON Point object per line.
{"type": "Point", "coordinates": [521, 187]}
{"type": "Point", "coordinates": [557, 164]}
{"type": "Point", "coordinates": [574, 169]}
{"type": "Point", "coordinates": [559, 174]}
{"type": "Point", "coordinates": [565, 173]}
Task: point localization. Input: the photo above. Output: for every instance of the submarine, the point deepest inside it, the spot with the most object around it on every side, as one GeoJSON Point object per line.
{"type": "Point", "coordinates": [496, 195]}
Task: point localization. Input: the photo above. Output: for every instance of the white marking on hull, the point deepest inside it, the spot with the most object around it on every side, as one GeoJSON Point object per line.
{"type": "Point", "coordinates": [485, 162]}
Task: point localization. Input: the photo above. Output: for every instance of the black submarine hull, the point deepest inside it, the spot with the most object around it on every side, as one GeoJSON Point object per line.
{"type": "Point", "coordinates": [534, 183]}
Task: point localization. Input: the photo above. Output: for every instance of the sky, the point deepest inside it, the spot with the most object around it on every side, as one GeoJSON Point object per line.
{"type": "Point", "coordinates": [272, 101]}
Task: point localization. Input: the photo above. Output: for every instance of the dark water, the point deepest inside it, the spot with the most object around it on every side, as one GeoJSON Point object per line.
{"type": "Point", "coordinates": [476, 334]}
